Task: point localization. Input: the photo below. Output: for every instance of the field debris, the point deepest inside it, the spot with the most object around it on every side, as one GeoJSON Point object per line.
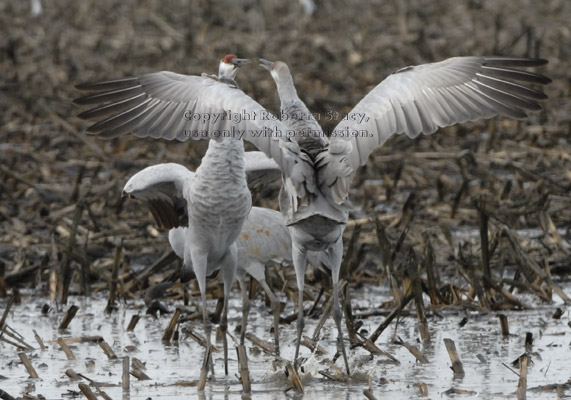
{"type": "Point", "coordinates": [471, 224]}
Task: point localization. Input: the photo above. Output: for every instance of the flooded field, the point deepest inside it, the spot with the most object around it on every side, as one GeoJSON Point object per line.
{"type": "Point", "coordinates": [174, 367]}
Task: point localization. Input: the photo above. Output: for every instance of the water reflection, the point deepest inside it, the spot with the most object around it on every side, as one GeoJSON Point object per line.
{"type": "Point", "coordinates": [172, 367]}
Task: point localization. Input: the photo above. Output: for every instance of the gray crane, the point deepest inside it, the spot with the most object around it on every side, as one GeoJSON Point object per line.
{"type": "Point", "coordinates": [263, 240]}
{"type": "Point", "coordinates": [316, 170]}
{"type": "Point", "coordinates": [217, 200]}
{"type": "Point", "coordinates": [413, 100]}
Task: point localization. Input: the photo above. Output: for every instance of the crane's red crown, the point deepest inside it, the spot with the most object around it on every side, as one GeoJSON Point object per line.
{"type": "Point", "coordinates": [227, 59]}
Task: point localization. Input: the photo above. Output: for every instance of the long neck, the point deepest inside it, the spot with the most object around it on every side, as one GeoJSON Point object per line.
{"type": "Point", "coordinates": [308, 132]}
{"type": "Point", "coordinates": [227, 71]}
{"type": "Point", "coordinates": [286, 91]}
{"type": "Point", "coordinates": [227, 74]}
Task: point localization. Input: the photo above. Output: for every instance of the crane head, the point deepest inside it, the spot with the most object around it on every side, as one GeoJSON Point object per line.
{"type": "Point", "coordinates": [267, 64]}
{"type": "Point", "coordinates": [276, 68]}
{"type": "Point", "coordinates": [229, 66]}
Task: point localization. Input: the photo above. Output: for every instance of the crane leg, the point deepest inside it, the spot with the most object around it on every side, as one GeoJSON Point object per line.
{"type": "Point", "coordinates": [276, 313]}
{"type": "Point", "coordinates": [228, 264]}
{"type": "Point", "coordinates": [245, 310]}
{"type": "Point", "coordinates": [336, 255]}
{"type": "Point", "coordinates": [299, 256]}
{"type": "Point", "coordinates": [199, 261]}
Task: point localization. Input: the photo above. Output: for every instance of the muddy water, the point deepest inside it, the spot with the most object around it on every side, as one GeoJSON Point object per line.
{"type": "Point", "coordinates": [480, 344]}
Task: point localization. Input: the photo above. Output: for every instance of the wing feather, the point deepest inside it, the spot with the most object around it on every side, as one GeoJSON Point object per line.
{"type": "Point", "coordinates": [113, 108]}
{"type": "Point", "coordinates": [420, 99]}
{"type": "Point", "coordinates": [162, 104]}
{"type": "Point", "coordinates": [161, 187]}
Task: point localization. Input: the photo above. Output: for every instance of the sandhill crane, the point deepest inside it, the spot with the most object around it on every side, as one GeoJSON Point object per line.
{"type": "Point", "coordinates": [316, 172]}
{"type": "Point", "coordinates": [263, 240]}
{"type": "Point", "coordinates": [413, 100]}
{"type": "Point", "coordinates": [217, 200]}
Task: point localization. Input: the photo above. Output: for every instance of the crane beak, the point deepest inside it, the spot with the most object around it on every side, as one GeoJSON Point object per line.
{"type": "Point", "coordinates": [241, 61]}
{"type": "Point", "coordinates": [266, 64]}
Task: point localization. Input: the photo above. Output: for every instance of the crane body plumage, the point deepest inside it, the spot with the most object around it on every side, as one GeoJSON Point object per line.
{"type": "Point", "coordinates": [263, 240]}
{"type": "Point", "coordinates": [217, 211]}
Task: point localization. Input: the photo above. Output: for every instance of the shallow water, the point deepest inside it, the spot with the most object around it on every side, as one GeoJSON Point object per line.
{"type": "Point", "coordinates": [170, 364]}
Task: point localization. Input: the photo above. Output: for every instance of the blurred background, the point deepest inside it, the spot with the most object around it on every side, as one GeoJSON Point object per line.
{"type": "Point", "coordinates": [337, 51]}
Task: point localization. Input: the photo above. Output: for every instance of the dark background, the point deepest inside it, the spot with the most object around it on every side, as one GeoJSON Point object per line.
{"type": "Point", "coordinates": [336, 55]}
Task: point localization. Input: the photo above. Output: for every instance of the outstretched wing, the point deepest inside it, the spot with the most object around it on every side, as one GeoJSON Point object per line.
{"type": "Point", "coordinates": [174, 106]}
{"type": "Point", "coordinates": [161, 187]}
{"type": "Point", "coordinates": [423, 98]}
